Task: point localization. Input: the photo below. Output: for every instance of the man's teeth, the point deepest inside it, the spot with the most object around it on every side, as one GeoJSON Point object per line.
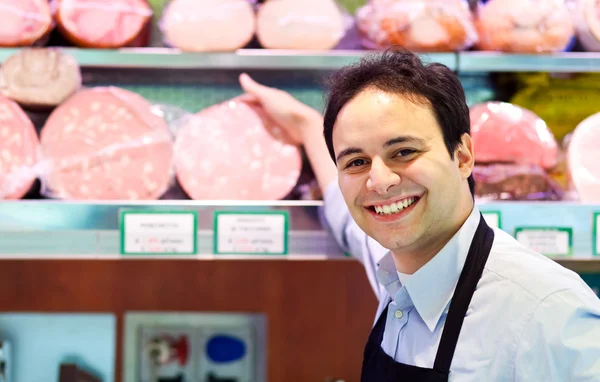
{"type": "Point", "coordinates": [394, 207]}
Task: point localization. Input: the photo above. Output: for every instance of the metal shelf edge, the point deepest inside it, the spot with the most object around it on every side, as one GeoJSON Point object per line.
{"type": "Point", "coordinates": [168, 58]}
{"type": "Point", "coordinates": [504, 62]}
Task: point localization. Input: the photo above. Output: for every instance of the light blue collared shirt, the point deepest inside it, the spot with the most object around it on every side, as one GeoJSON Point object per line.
{"type": "Point", "coordinates": [530, 319]}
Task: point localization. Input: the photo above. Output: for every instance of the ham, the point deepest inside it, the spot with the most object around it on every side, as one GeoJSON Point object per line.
{"type": "Point", "coordinates": [507, 133]}
{"type": "Point", "coordinates": [586, 17]}
{"type": "Point", "coordinates": [582, 159]}
{"type": "Point", "coordinates": [525, 26]}
{"type": "Point", "coordinates": [106, 143]}
{"type": "Point", "coordinates": [208, 25]}
{"type": "Point", "coordinates": [418, 25]}
{"type": "Point", "coordinates": [103, 24]}
{"type": "Point", "coordinates": [39, 78]}
{"type": "Point", "coordinates": [300, 25]}
{"type": "Point", "coordinates": [19, 151]}
{"type": "Point", "coordinates": [24, 22]}
{"type": "Point", "coordinates": [227, 152]}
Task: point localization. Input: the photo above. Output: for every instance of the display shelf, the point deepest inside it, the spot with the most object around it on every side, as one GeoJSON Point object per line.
{"type": "Point", "coordinates": [54, 229]}
{"type": "Point", "coordinates": [465, 62]}
{"type": "Point", "coordinates": [502, 62]}
{"type": "Point", "coordinates": [167, 58]}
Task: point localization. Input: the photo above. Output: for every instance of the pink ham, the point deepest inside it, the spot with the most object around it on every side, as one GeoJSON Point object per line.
{"type": "Point", "coordinates": [226, 152]}
{"type": "Point", "coordinates": [582, 159]}
{"type": "Point", "coordinates": [103, 23]}
{"type": "Point", "coordinates": [524, 26]}
{"type": "Point", "coordinates": [293, 24]}
{"type": "Point", "coordinates": [19, 151]}
{"type": "Point", "coordinates": [208, 25]}
{"type": "Point", "coordinates": [506, 133]}
{"type": "Point", "coordinates": [106, 144]}
{"type": "Point", "coordinates": [23, 22]}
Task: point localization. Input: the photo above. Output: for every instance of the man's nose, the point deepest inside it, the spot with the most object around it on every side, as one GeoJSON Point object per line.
{"type": "Point", "coordinates": [381, 177]}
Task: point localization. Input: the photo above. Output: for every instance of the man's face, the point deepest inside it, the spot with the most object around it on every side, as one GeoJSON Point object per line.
{"type": "Point", "coordinates": [400, 183]}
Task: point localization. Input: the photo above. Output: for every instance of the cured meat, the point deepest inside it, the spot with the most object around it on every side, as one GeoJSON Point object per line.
{"type": "Point", "coordinates": [292, 24]}
{"type": "Point", "coordinates": [525, 26]}
{"type": "Point", "coordinates": [208, 25]}
{"type": "Point", "coordinates": [39, 78]}
{"type": "Point", "coordinates": [226, 152]}
{"type": "Point", "coordinates": [514, 150]}
{"type": "Point", "coordinates": [586, 17]}
{"type": "Point", "coordinates": [418, 25]}
{"type": "Point", "coordinates": [582, 159]}
{"type": "Point", "coordinates": [103, 24]}
{"type": "Point", "coordinates": [105, 143]}
{"type": "Point", "coordinates": [506, 133]}
{"type": "Point", "coordinates": [19, 151]}
{"type": "Point", "coordinates": [24, 22]}
{"type": "Point", "coordinates": [514, 182]}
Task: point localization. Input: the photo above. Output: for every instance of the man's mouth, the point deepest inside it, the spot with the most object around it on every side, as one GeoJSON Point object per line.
{"type": "Point", "coordinates": [393, 208]}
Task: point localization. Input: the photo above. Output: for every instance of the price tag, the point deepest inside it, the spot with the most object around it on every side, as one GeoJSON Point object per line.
{"type": "Point", "coordinates": [158, 232]}
{"type": "Point", "coordinates": [251, 232]}
{"type": "Point", "coordinates": [549, 241]}
{"type": "Point", "coordinates": [493, 218]}
{"type": "Point", "coordinates": [595, 235]}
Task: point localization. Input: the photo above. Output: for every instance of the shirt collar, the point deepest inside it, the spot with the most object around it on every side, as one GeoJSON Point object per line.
{"type": "Point", "coordinates": [432, 286]}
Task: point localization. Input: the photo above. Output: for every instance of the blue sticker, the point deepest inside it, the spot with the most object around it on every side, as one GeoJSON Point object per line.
{"type": "Point", "coordinates": [223, 349]}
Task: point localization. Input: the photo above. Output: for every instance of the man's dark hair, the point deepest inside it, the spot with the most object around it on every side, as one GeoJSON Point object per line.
{"type": "Point", "coordinates": [399, 71]}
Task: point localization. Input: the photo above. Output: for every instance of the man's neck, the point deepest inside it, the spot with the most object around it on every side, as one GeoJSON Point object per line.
{"type": "Point", "coordinates": [410, 260]}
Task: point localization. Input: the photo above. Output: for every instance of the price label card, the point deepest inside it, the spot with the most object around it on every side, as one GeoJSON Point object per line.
{"type": "Point", "coordinates": [158, 232]}
{"type": "Point", "coordinates": [549, 241]}
{"type": "Point", "coordinates": [596, 235]}
{"type": "Point", "coordinates": [251, 232]}
{"type": "Point", "coordinates": [493, 218]}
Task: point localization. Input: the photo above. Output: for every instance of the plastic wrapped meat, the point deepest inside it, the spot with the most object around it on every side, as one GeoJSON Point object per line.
{"type": "Point", "coordinates": [514, 182]}
{"type": "Point", "coordinates": [582, 159]}
{"type": "Point", "coordinates": [524, 26]}
{"type": "Point", "coordinates": [418, 25]}
{"type": "Point", "coordinates": [505, 133]}
{"type": "Point", "coordinates": [24, 22]}
{"type": "Point", "coordinates": [227, 152]}
{"type": "Point", "coordinates": [104, 24]}
{"type": "Point", "coordinates": [586, 17]}
{"type": "Point", "coordinates": [514, 150]}
{"type": "Point", "coordinates": [307, 24]}
{"type": "Point", "coordinates": [19, 151]}
{"type": "Point", "coordinates": [106, 143]}
{"type": "Point", "coordinates": [208, 25]}
{"type": "Point", "coordinates": [39, 78]}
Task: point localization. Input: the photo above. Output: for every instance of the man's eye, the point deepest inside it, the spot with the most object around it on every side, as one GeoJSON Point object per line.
{"type": "Point", "coordinates": [405, 152]}
{"type": "Point", "coordinates": [356, 163]}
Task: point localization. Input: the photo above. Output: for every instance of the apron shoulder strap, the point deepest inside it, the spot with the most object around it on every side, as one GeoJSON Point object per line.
{"type": "Point", "coordinates": [467, 283]}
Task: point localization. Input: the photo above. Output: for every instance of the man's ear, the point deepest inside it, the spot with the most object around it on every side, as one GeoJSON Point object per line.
{"type": "Point", "coordinates": [465, 156]}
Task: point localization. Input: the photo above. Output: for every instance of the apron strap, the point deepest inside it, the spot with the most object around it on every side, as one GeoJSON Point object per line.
{"type": "Point", "coordinates": [465, 288]}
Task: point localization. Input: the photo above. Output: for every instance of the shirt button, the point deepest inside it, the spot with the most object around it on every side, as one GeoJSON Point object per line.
{"type": "Point", "coordinates": [399, 314]}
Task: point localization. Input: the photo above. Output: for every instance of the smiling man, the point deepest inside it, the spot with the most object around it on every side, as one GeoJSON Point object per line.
{"type": "Point", "coordinates": [458, 300]}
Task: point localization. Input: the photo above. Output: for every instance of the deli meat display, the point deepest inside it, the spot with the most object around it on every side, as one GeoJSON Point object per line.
{"type": "Point", "coordinates": [159, 221]}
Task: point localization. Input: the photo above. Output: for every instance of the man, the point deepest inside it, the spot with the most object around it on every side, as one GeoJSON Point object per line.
{"type": "Point", "coordinates": [458, 300]}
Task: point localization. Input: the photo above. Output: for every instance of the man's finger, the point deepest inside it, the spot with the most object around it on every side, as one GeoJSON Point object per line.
{"type": "Point", "coordinates": [251, 86]}
{"type": "Point", "coordinates": [248, 98]}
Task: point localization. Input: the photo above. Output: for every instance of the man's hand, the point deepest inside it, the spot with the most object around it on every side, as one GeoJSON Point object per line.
{"type": "Point", "coordinates": [280, 108]}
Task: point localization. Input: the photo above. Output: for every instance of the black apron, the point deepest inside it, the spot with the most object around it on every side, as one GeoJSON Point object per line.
{"type": "Point", "coordinates": [380, 367]}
